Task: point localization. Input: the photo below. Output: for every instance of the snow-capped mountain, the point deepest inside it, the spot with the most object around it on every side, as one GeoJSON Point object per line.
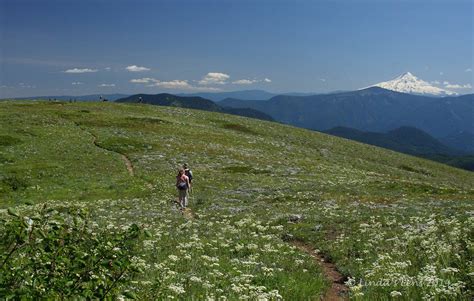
{"type": "Point", "coordinates": [408, 83]}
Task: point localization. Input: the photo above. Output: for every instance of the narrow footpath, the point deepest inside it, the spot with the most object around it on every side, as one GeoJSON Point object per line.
{"type": "Point", "coordinates": [338, 290]}
{"type": "Point", "coordinates": [128, 163]}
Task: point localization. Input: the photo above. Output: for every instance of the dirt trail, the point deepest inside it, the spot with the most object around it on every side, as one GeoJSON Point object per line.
{"type": "Point", "coordinates": [129, 165]}
{"type": "Point", "coordinates": [338, 290]}
{"type": "Point", "coordinates": [127, 161]}
{"type": "Point", "coordinates": [124, 157]}
{"type": "Point", "coordinates": [188, 213]}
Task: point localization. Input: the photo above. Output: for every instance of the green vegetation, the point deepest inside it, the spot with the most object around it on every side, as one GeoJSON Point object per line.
{"type": "Point", "coordinates": [57, 253]}
{"type": "Point", "coordinates": [396, 226]}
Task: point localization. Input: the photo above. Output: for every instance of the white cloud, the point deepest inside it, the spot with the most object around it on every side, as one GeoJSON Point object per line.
{"type": "Point", "coordinates": [457, 86]}
{"type": "Point", "coordinates": [144, 80]}
{"type": "Point", "coordinates": [251, 81]}
{"type": "Point", "coordinates": [175, 84]}
{"type": "Point", "coordinates": [468, 70]}
{"type": "Point", "coordinates": [205, 89]}
{"type": "Point", "coordinates": [245, 81]}
{"type": "Point", "coordinates": [323, 80]}
{"type": "Point", "coordinates": [107, 68]}
{"type": "Point", "coordinates": [180, 85]}
{"type": "Point", "coordinates": [106, 85]}
{"type": "Point", "coordinates": [77, 70]}
{"type": "Point", "coordinates": [26, 86]}
{"type": "Point", "coordinates": [435, 82]}
{"type": "Point", "coordinates": [135, 68]}
{"type": "Point", "coordinates": [448, 85]}
{"type": "Point", "coordinates": [76, 83]}
{"type": "Point", "coordinates": [441, 73]}
{"type": "Point", "coordinates": [214, 78]}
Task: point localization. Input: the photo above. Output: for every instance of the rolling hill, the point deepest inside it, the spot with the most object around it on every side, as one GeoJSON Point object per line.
{"type": "Point", "coordinates": [192, 102]}
{"type": "Point", "coordinates": [372, 109]}
{"type": "Point", "coordinates": [91, 97]}
{"type": "Point", "coordinates": [409, 140]}
{"type": "Point", "coordinates": [406, 140]}
{"type": "Point", "coordinates": [244, 94]}
{"type": "Point", "coordinates": [269, 202]}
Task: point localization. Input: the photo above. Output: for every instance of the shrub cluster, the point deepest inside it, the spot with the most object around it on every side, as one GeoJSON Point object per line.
{"type": "Point", "coordinates": [59, 253]}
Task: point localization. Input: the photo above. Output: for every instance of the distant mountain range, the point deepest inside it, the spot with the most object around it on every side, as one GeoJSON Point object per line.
{"type": "Point", "coordinates": [408, 83]}
{"type": "Point", "coordinates": [245, 95]}
{"type": "Point", "coordinates": [192, 102]}
{"type": "Point", "coordinates": [372, 109]}
{"type": "Point", "coordinates": [410, 141]}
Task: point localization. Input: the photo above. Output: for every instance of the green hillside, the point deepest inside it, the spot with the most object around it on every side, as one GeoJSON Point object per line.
{"type": "Point", "coordinates": [412, 141]}
{"type": "Point", "coordinates": [259, 186]}
{"type": "Point", "coordinates": [192, 102]}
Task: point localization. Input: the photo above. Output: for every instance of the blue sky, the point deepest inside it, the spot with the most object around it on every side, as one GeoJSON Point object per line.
{"type": "Point", "coordinates": [81, 47]}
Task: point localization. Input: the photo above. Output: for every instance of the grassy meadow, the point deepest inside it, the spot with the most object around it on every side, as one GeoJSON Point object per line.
{"type": "Point", "coordinates": [398, 227]}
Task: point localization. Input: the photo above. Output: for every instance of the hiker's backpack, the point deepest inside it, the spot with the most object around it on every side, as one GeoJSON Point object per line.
{"type": "Point", "coordinates": [182, 186]}
{"type": "Point", "coordinates": [189, 174]}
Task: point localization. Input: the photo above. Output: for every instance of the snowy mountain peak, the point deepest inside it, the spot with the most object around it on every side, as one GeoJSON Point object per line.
{"type": "Point", "coordinates": [409, 83]}
{"type": "Point", "coordinates": [407, 76]}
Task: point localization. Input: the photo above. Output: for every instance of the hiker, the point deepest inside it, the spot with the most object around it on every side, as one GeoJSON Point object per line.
{"type": "Point", "coordinates": [189, 174]}
{"type": "Point", "coordinates": [182, 184]}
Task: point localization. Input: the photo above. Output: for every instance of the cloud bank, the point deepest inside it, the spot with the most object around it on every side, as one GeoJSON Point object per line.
{"type": "Point", "coordinates": [245, 81]}
{"type": "Point", "coordinates": [135, 68]}
{"type": "Point", "coordinates": [204, 84]}
{"type": "Point", "coordinates": [77, 70]}
{"type": "Point", "coordinates": [145, 80]}
{"type": "Point", "coordinates": [172, 84]}
{"type": "Point", "coordinates": [456, 86]}
{"type": "Point", "coordinates": [250, 81]}
{"type": "Point", "coordinates": [213, 78]}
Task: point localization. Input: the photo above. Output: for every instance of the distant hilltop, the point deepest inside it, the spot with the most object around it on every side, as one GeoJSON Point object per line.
{"type": "Point", "coordinates": [193, 102]}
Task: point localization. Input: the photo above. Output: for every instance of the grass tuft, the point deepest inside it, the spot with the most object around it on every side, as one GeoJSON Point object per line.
{"type": "Point", "coordinates": [7, 140]}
